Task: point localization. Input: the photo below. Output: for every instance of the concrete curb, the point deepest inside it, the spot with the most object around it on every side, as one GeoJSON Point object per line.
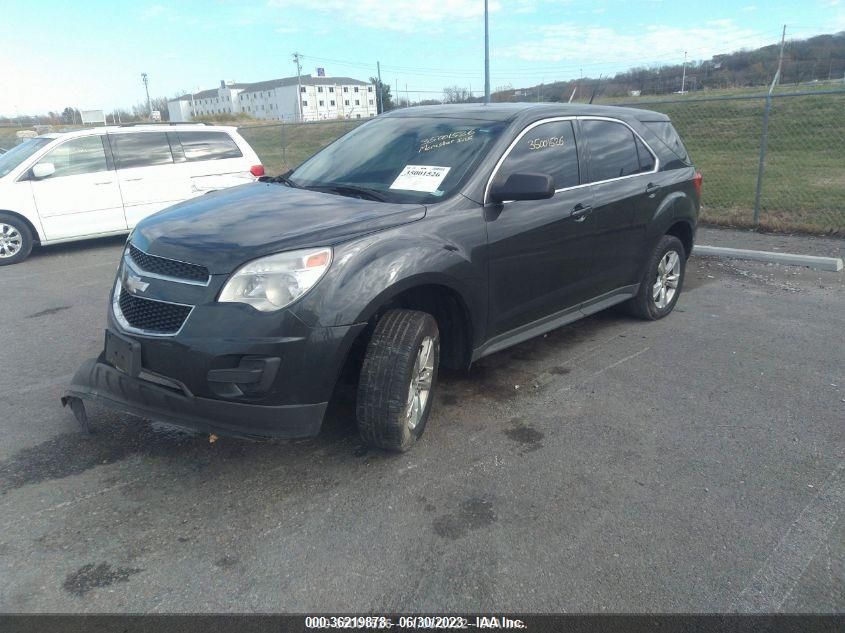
{"type": "Point", "coordinates": [818, 263]}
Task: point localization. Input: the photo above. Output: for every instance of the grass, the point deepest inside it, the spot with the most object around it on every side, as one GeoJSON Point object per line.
{"type": "Point", "coordinates": [284, 146]}
{"type": "Point", "coordinates": [804, 178]}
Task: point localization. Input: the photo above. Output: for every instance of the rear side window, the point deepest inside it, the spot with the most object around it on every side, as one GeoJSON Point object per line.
{"type": "Point", "coordinates": [208, 146]}
{"type": "Point", "coordinates": [142, 149]}
{"type": "Point", "coordinates": [613, 150]}
{"type": "Point", "coordinates": [666, 134]}
{"type": "Point", "coordinates": [78, 156]}
{"type": "Point", "coordinates": [645, 156]}
{"type": "Point", "coordinates": [547, 149]}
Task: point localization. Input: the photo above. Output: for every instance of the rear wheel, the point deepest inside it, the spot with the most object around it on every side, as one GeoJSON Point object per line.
{"type": "Point", "coordinates": [15, 240]}
{"type": "Point", "coordinates": [664, 278]}
{"type": "Point", "coordinates": [397, 381]}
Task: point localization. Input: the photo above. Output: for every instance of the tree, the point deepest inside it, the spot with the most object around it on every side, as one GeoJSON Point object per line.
{"type": "Point", "coordinates": [386, 97]}
{"type": "Point", "coordinates": [456, 94]}
{"type": "Point", "coordinates": [160, 104]}
{"type": "Point", "coordinates": [71, 116]}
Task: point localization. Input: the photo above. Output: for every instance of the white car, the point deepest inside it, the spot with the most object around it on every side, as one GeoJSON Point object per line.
{"type": "Point", "coordinates": [101, 181]}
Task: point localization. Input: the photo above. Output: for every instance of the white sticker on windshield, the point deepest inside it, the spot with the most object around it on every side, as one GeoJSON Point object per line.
{"type": "Point", "coordinates": [426, 178]}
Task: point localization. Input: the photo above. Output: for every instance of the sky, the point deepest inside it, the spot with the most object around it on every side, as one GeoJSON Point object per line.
{"type": "Point", "coordinates": [90, 55]}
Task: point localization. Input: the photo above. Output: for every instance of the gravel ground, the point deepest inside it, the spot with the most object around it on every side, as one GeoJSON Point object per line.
{"type": "Point", "coordinates": [695, 464]}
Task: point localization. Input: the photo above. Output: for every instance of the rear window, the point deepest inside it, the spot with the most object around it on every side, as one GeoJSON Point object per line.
{"type": "Point", "coordinates": [208, 146]}
{"type": "Point", "coordinates": [141, 149]}
{"type": "Point", "coordinates": [666, 134]}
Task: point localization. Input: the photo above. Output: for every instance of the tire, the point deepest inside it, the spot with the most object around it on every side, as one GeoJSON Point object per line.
{"type": "Point", "coordinates": [392, 408]}
{"type": "Point", "coordinates": [645, 305]}
{"type": "Point", "coordinates": [15, 240]}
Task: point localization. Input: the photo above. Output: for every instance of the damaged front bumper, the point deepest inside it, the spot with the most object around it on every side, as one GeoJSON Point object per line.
{"type": "Point", "coordinates": [168, 402]}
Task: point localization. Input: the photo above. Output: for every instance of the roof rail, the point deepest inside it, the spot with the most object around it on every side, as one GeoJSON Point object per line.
{"type": "Point", "coordinates": [161, 123]}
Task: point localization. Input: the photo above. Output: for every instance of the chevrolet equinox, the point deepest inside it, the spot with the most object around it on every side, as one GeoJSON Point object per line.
{"type": "Point", "coordinates": [428, 237]}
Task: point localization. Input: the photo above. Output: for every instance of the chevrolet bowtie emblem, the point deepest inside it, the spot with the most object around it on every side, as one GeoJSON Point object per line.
{"type": "Point", "coordinates": [135, 284]}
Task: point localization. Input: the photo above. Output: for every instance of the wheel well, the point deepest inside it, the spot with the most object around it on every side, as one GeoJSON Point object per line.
{"type": "Point", "coordinates": [29, 225]}
{"type": "Point", "coordinates": [448, 309]}
{"type": "Point", "coordinates": [683, 232]}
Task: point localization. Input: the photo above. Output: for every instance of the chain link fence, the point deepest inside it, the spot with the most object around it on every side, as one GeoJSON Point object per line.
{"type": "Point", "coordinates": [801, 185]}
{"type": "Point", "coordinates": [282, 146]}
{"type": "Point", "coordinates": [802, 180]}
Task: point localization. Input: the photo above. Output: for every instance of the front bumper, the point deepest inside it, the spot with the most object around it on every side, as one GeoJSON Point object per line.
{"type": "Point", "coordinates": [97, 381]}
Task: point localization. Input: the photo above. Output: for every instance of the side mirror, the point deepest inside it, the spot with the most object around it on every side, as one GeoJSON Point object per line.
{"type": "Point", "coordinates": [43, 170]}
{"type": "Point", "coordinates": [524, 187]}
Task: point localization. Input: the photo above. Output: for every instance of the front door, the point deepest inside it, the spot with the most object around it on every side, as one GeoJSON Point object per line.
{"type": "Point", "coordinates": [82, 196]}
{"type": "Point", "coordinates": [540, 251]}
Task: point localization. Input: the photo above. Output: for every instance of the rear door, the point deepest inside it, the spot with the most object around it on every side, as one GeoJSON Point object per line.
{"type": "Point", "coordinates": [620, 168]}
{"type": "Point", "coordinates": [148, 175]}
{"type": "Point", "coordinates": [540, 250]}
{"type": "Point", "coordinates": [82, 196]}
{"type": "Point", "coordinates": [212, 160]}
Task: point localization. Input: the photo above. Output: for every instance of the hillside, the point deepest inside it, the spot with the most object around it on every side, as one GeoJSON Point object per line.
{"type": "Point", "coordinates": [817, 59]}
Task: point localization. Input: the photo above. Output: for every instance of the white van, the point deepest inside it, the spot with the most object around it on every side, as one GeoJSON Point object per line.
{"type": "Point", "coordinates": [101, 181]}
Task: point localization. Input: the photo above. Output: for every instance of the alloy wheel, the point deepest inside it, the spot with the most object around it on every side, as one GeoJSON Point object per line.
{"type": "Point", "coordinates": [421, 379]}
{"type": "Point", "coordinates": [10, 240]}
{"type": "Point", "coordinates": [668, 276]}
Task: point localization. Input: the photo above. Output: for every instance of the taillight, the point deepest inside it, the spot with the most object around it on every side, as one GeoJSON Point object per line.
{"type": "Point", "coordinates": [257, 170]}
{"type": "Point", "coordinates": [697, 182]}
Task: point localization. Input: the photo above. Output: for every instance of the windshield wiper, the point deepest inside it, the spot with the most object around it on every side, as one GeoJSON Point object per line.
{"type": "Point", "coordinates": [351, 190]}
{"type": "Point", "coordinates": [281, 179]}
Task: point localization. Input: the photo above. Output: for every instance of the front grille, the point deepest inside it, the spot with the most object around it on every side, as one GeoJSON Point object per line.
{"type": "Point", "coordinates": [168, 267]}
{"type": "Point", "coordinates": [152, 316]}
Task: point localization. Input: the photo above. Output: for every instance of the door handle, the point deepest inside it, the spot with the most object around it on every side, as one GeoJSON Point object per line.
{"type": "Point", "coordinates": [132, 179]}
{"type": "Point", "coordinates": [105, 182]}
{"type": "Point", "coordinates": [580, 212]}
{"type": "Point", "coordinates": [651, 188]}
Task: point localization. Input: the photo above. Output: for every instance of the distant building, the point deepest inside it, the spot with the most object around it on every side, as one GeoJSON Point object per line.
{"type": "Point", "coordinates": [321, 98]}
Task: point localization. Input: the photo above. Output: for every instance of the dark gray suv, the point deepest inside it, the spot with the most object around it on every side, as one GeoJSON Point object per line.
{"type": "Point", "coordinates": [426, 237]}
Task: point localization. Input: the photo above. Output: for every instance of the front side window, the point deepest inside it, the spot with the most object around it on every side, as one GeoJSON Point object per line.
{"type": "Point", "coordinates": [142, 149]}
{"type": "Point", "coordinates": [78, 156]}
{"type": "Point", "coordinates": [548, 148]}
{"type": "Point", "coordinates": [613, 150]}
{"type": "Point", "coordinates": [19, 153]}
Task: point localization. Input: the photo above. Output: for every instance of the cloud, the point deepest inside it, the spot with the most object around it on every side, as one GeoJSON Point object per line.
{"type": "Point", "coordinates": [155, 11]}
{"type": "Point", "coordinates": [393, 15]}
{"type": "Point", "coordinates": [580, 44]}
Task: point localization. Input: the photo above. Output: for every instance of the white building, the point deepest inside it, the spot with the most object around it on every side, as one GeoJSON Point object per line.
{"type": "Point", "coordinates": [320, 98]}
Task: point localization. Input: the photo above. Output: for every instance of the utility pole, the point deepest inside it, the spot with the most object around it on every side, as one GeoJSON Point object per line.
{"type": "Point", "coordinates": [780, 58]}
{"type": "Point", "coordinates": [486, 54]}
{"type": "Point", "coordinates": [397, 91]}
{"type": "Point", "coordinates": [764, 138]}
{"type": "Point", "coordinates": [146, 81]}
{"type": "Point", "coordinates": [684, 76]}
{"type": "Point", "coordinates": [380, 99]}
{"type": "Point", "coordinates": [296, 60]}
{"type": "Point", "coordinates": [407, 96]}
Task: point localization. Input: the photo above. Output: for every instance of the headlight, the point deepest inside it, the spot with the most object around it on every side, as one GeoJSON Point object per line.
{"type": "Point", "coordinates": [273, 282]}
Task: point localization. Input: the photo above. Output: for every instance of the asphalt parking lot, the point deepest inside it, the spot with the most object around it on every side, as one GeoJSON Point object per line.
{"type": "Point", "coordinates": [694, 464]}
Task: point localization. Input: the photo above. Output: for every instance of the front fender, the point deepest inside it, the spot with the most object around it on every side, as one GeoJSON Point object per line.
{"type": "Point", "coordinates": [367, 273]}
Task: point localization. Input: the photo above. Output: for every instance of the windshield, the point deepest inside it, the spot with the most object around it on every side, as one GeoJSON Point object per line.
{"type": "Point", "coordinates": [407, 159]}
{"type": "Point", "coordinates": [20, 153]}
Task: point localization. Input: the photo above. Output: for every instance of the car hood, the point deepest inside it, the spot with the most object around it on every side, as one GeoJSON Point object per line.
{"type": "Point", "coordinates": [225, 229]}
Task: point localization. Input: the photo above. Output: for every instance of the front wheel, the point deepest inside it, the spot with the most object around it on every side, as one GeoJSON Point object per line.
{"type": "Point", "coordinates": [15, 240]}
{"type": "Point", "coordinates": [664, 278]}
{"type": "Point", "coordinates": [398, 377]}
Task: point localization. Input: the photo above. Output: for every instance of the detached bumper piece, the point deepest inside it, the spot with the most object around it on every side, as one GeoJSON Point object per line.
{"type": "Point", "coordinates": [170, 402]}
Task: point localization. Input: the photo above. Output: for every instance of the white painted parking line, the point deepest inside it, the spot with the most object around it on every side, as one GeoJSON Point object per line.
{"type": "Point", "coordinates": [775, 581]}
